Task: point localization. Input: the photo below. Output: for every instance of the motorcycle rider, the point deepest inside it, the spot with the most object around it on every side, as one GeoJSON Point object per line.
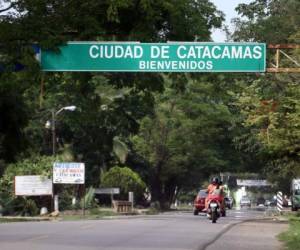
{"type": "Point", "coordinates": [210, 190]}
{"type": "Point", "coordinates": [214, 186]}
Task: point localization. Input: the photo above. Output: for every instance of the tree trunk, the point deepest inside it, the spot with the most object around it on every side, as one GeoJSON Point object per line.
{"type": "Point", "coordinates": [163, 193]}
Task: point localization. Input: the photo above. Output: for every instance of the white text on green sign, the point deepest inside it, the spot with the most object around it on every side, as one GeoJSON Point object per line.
{"type": "Point", "coordinates": [159, 57]}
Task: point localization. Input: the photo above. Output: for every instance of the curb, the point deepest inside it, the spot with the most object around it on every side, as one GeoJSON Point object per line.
{"type": "Point", "coordinates": [20, 219]}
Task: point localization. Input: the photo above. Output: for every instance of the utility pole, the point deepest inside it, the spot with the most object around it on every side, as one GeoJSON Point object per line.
{"type": "Point", "coordinates": [53, 132]}
{"type": "Point", "coordinates": [52, 125]}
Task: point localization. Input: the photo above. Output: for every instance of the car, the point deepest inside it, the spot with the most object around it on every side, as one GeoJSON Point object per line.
{"type": "Point", "coordinates": [260, 201]}
{"type": "Point", "coordinates": [199, 202]}
{"type": "Point", "coordinates": [228, 202]}
{"type": "Point", "coordinates": [270, 203]}
{"type": "Point", "coordinates": [245, 202]}
{"type": "Point", "coordinates": [267, 203]}
{"type": "Point", "coordinates": [295, 195]}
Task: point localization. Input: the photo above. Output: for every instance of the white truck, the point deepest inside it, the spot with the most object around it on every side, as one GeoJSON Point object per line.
{"type": "Point", "coordinates": [295, 191]}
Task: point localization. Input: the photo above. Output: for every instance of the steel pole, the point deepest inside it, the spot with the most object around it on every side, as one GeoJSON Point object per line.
{"type": "Point", "coordinates": [53, 133]}
{"type": "Point", "coordinates": [54, 196]}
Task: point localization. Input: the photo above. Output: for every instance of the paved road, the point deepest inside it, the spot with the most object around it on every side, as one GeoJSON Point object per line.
{"type": "Point", "coordinates": [176, 231]}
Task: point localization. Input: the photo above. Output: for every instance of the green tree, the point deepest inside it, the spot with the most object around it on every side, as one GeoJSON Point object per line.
{"type": "Point", "coordinates": [109, 104]}
{"type": "Point", "coordinates": [14, 117]}
{"type": "Point", "coordinates": [125, 179]}
{"type": "Point", "coordinates": [270, 21]}
{"type": "Point", "coordinates": [183, 142]}
{"type": "Point", "coordinates": [273, 121]}
{"type": "Point", "coordinates": [268, 104]}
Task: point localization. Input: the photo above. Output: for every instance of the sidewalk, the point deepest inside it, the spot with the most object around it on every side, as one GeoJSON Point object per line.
{"type": "Point", "coordinates": [258, 235]}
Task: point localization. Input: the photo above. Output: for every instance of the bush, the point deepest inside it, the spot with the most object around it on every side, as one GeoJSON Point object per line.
{"type": "Point", "coordinates": [125, 179]}
{"type": "Point", "coordinates": [35, 165]}
{"type": "Point", "coordinates": [19, 206]}
{"type": "Point", "coordinates": [66, 193]}
{"type": "Point", "coordinates": [88, 200]}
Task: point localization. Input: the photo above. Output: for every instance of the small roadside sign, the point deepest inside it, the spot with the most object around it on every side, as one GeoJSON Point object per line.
{"type": "Point", "coordinates": [68, 173]}
{"type": "Point", "coordinates": [253, 183]}
{"type": "Point", "coordinates": [32, 185]}
{"type": "Point", "coordinates": [107, 191]}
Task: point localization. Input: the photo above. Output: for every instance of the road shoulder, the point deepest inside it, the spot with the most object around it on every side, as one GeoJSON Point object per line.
{"type": "Point", "coordinates": [258, 235]}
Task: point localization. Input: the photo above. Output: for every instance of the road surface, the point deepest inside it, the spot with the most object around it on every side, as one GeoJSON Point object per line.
{"type": "Point", "coordinates": [242, 229]}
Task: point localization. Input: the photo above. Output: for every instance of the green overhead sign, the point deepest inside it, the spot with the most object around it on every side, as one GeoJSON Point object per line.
{"type": "Point", "coordinates": [156, 57]}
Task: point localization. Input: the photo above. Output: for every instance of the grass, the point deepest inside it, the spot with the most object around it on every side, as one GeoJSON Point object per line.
{"type": "Point", "coordinates": [6, 220]}
{"type": "Point", "coordinates": [95, 213]}
{"type": "Point", "coordinates": [92, 214]}
{"type": "Point", "coordinates": [291, 238]}
{"type": "Point", "coordinates": [3, 220]}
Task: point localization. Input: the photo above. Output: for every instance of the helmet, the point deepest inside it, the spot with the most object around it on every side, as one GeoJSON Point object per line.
{"type": "Point", "coordinates": [215, 180]}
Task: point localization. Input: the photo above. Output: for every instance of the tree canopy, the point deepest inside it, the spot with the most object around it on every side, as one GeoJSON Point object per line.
{"type": "Point", "coordinates": [269, 104]}
{"type": "Point", "coordinates": [110, 106]}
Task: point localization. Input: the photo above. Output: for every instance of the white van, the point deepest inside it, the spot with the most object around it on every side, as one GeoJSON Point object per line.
{"type": "Point", "coordinates": [295, 191]}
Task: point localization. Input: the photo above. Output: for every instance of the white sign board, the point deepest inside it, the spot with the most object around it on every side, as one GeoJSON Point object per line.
{"type": "Point", "coordinates": [252, 183]}
{"type": "Point", "coordinates": [107, 190]}
{"type": "Point", "coordinates": [68, 172]}
{"type": "Point", "coordinates": [32, 185]}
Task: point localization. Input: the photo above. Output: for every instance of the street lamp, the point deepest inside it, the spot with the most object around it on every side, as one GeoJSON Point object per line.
{"type": "Point", "coordinates": [52, 124]}
{"type": "Point", "coordinates": [70, 108]}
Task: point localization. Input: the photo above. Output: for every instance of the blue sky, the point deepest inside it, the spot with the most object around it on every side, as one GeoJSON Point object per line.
{"type": "Point", "coordinates": [227, 6]}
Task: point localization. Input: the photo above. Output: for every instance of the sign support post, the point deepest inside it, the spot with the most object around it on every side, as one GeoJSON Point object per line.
{"type": "Point", "coordinates": [84, 193]}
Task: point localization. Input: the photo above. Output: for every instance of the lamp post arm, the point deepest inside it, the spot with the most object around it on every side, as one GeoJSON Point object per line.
{"type": "Point", "coordinates": [57, 112]}
{"type": "Point", "coordinates": [54, 114]}
{"type": "Point", "coordinates": [70, 108]}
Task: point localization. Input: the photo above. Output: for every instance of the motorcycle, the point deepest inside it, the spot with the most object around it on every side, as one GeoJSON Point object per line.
{"type": "Point", "coordinates": [215, 209]}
